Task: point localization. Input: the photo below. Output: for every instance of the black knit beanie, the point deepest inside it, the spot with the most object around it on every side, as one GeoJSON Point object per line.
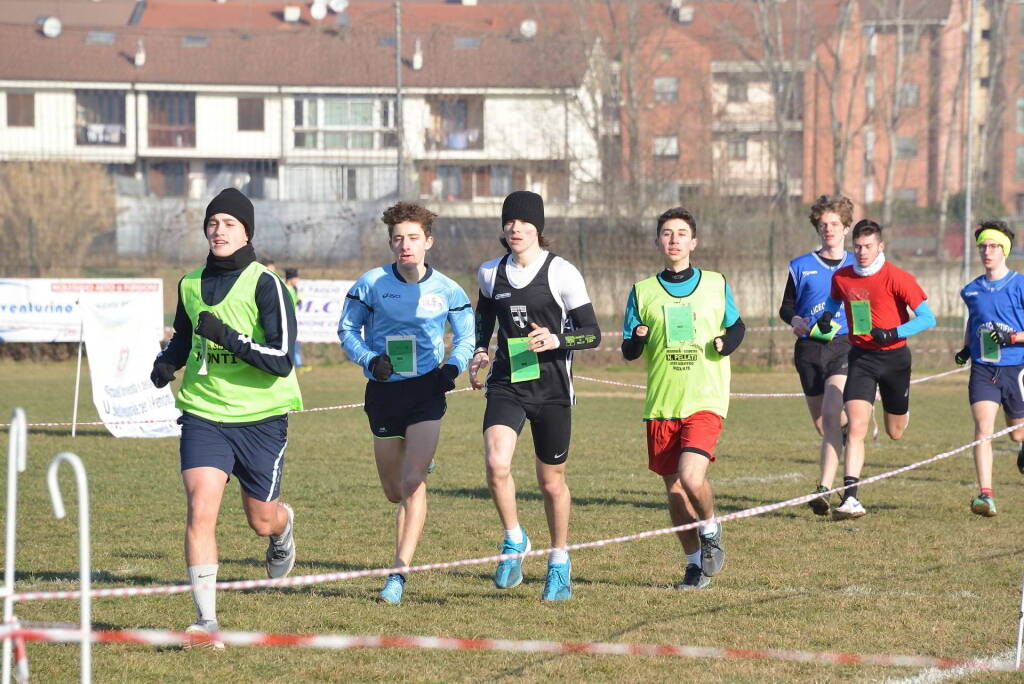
{"type": "Point", "coordinates": [231, 201]}
{"type": "Point", "coordinates": [525, 206]}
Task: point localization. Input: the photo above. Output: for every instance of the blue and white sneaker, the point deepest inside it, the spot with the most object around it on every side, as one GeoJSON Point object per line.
{"type": "Point", "coordinates": [393, 588]}
{"type": "Point", "coordinates": [558, 586]}
{"type": "Point", "coordinates": [509, 573]}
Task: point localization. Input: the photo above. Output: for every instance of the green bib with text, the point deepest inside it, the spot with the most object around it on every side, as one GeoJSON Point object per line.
{"type": "Point", "coordinates": [685, 374]}
{"type": "Point", "coordinates": [218, 385]}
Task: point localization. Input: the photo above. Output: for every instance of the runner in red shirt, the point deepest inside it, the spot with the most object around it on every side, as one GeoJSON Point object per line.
{"type": "Point", "coordinates": [876, 296]}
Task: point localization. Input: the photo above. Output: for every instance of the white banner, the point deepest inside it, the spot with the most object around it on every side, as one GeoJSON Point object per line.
{"type": "Point", "coordinates": [319, 309]}
{"type": "Point", "coordinates": [48, 310]}
{"type": "Point", "coordinates": [121, 351]}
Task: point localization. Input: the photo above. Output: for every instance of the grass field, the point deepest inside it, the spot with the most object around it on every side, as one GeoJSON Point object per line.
{"type": "Point", "coordinates": [919, 574]}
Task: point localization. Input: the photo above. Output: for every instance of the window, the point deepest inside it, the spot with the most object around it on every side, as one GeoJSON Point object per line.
{"type": "Point", "coordinates": [99, 117]}
{"type": "Point", "coordinates": [908, 96]}
{"type": "Point", "coordinates": [666, 146]}
{"type": "Point", "coordinates": [906, 147]}
{"type": "Point", "coordinates": [666, 89]}
{"type": "Point", "coordinates": [449, 178]}
{"type": "Point", "coordinates": [1020, 115]}
{"type": "Point", "coordinates": [455, 123]}
{"type": "Point", "coordinates": [1018, 166]}
{"type": "Point", "coordinates": [737, 90]}
{"type": "Point", "coordinates": [21, 109]}
{"type": "Point", "coordinates": [869, 152]}
{"type": "Point", "coordinates": [1019, 201]}
{"type": "Point", "coordinates": [166, 178]}
{"type": "Point", "coordinates": [345, 123]}
{"type": "Point", "coordinates": [256, 179]}
{"type": "Point", "coordinates": [501, 180]}
{"type": "Point", "coordinates": [869, 91]}
{"type": "Point", "coordinates": [172, 119]}
{"type": "Point", "coordinates": [1020, 63]}
{"type": "Point", "coordinates": [911, 41]}
{"type": "Point", "coordinates": [736, 148]}
{"type": "Point", "coordinates": [333, 183]}
{"type": "Point", "coordinates": [250, 113]}
{"type": "Point", "coordinates": [908, 195]}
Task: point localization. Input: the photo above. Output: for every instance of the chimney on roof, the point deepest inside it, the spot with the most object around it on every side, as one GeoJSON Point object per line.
{"type": "Point", "coordinates": [140, 54]}
{"type": "Point", "coordinates": [292, 14]}
{"type": "Point", "coordinates": [417, 56]}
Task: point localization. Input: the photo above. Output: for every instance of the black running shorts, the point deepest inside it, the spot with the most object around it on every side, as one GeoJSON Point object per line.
{"type": "Point", "coordinates": [391, 407]}
{"type": "Point", "coordinates": [885, 371]}
{"type": "Point", "coordinates": [816, 361]}
{"type": "Point", "coordinates": [551, 424]}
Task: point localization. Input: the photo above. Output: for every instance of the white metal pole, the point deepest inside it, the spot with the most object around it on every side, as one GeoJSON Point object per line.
{"type": "Point", "coordinates": [83, 547]}
{"type": "Point", "coordinates": [1020, 626]}
{"type": "Point", "coordinates": [16, 459]}
{"type": "Point", "coordinates": [78, 373]}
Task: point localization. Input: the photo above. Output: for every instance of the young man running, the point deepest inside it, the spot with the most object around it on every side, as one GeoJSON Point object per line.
{"type": "Point", "coordinates": [876, 296]}
{"type": "Point", "coordinates": [291, 281]}
{"type": "Point", "coordinates": [995, 304]}
{"type": "Point", "coordinates": [820, 359]}
{"type": "Point", "coordinates": [233, 330]}
{"type": "Point", "coordinates": [393, 326]}
{"type": "Point", "coordinates": [685, 323]}
{"type": "Point", "coordinates": [543, 312]}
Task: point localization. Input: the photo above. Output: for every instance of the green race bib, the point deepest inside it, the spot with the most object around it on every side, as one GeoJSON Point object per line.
{"type": "Point", "coordinates": [861, 311]}
{"type": "Point", "coordinates": [402, 350]}
{"type": "Point", "coordinates": [678, 324]}
{"type": "Point", "coordinates": [990, 349]}
{"type": "Point", "coordinates": [522, 360]}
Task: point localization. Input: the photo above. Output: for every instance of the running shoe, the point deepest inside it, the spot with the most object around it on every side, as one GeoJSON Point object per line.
{"type": "Point", "coordinates": [509, 573]}
{"type": "Point", "coordinates": [712, 555]}
{"type": "Point", "coordinates": [393, 589]}
{"type": "Point", "coordinates": [557, 585]}
{"type": "Point", "coordinates": [431, 467]}
{"type": "Point", "coordinates": [848, 509]}
{"type": "Point", "coordinates": [694, 578]}
{"type": "Point", "coordinates": [198, 635]}
{"type": "Point", "coordinates": [281, 549]}
{"type": "Point", "coordinates": [985, 505]}
{"type": "Point", "coordinates": [1020, 459]}
{"type": "Point", "coordinates": [820, 504]}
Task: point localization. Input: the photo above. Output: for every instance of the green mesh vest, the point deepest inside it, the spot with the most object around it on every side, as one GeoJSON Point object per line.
{"type": "Point", "coordinates": [684, 372]}
{"type": "Point", "coordinates": [217, 385]}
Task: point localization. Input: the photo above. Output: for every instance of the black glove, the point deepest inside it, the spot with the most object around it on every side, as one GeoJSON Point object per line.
{"type": "Point", "coordinates": [212, 328]}
{"type": "Point", "coordinates": [634, 346]}
{"type": "Point", "coordinates": [824, 323]}
{"type": "Point", "coordinates": [445, 376]}
{"type": "Point", "coordinates": [381, 368]}
{"type": "Point", "coordinates": [1001, 337]}
{"type": "Point", "coordinates": [962, 356]}
{"type": "Point", "coordinates": [884, 336]}
{"type": "Point", "coordinates": [162, 374]}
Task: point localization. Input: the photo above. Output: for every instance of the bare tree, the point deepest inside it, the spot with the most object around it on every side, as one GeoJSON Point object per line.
{"type": "Point", "coordinates": [50, 213]}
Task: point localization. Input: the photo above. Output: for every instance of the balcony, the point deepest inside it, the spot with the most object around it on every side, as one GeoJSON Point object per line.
{"type": "Point", "coordinates": [455, 124]}
{"type": "Point", "coordinates": [171, 136]}
{"type": "Point", "coordinates": [100, 134]}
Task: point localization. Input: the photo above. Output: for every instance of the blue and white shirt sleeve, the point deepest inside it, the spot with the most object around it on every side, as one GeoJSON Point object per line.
{"type": "Point", "coordinates": [357, 313]}
{"type": "Point", "coordinates": [463, 323]}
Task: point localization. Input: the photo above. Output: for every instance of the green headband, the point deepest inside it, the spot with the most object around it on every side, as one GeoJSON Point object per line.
{"type": "Point", "coordinates": [996, 236]}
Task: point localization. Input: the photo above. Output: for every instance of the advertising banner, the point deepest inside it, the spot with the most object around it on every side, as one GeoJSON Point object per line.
{"type": "Point", "coordinates": [319, 309]}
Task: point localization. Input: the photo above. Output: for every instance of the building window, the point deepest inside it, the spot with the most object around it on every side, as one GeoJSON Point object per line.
{"type": "Point", "coordinates": [736, 148]}
{"type": "Point", "coordinates": [666, 89]}
{"type": "Point", "coordinates": [1020, 204]}
{"type": "Point", "coordinates": [869, 91]}
{"type": "Point", "coordinates": [166, 178]}
{"type": "Point", "coordinates": [21, 109]}
{"type": "Point", "coordinates": [908, 96]}
{"type": "Point", "coordinates": [906, 147]}
{"type": "Point", "coordinates": [1019, 163]}
{"type": "Point", "coordinates": [1020, 115]}
{"type": "Point", "coordinates": [666, 146]}
{"type": "Point", "coordinates": [345, 123]}
{"type": "Point", "coordinates": [333, 183]}
{"type": "Point", "coordinates": [456, 123]}
{"type": "Point", "coordinates": [1020, 63]}
{"type": "Point", "coordinates": [908, 195]}
{"type": "Point", "coordinates": [256, 179]}
{"type": "Point", "coordinates": [99, 117]}
{"type": "Point", "coordinates": [172, 119]}
{"type": "Point", "coordinates": [250, 113]}
{"type": "Point", "coordinates": [911, 41]}
{"type": "Point", "coordinates": [501, 180]}
{"type": "Point", "coordinates": [736, 90]}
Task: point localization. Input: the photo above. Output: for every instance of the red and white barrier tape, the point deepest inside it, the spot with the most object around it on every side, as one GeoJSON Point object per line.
{"type": "Point", "coordinates": [156, 637]}
{"type": "Point", "coordinates": [304, 580]}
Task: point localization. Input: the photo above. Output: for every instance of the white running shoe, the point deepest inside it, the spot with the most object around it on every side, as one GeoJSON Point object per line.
{"type": "Point", "coordinates": [281, 549]}
{"type": "Point", "coordinates": [848, 510]}
{"type": "Point", "coordinates": [199, 636]}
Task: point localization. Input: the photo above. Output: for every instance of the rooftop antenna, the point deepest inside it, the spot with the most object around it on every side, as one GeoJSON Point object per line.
{"type": "Point", "coordinates": [52, 27]}
{"type": "Point", "coordinates": [528, 28]}
{"type": "Point", "coordinates": [140, 54]}
{"type": "Point", "coordinates": [318, 10]}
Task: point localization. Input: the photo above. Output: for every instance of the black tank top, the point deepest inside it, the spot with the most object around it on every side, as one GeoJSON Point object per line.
{"type": "Point", "coordinates": [517, 308]}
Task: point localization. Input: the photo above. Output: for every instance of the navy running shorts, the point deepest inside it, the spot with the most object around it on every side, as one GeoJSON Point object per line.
{"type": "Point", "coordinates": [252, 453]}
{"type": "Point", "coordinates": [1000, 384]}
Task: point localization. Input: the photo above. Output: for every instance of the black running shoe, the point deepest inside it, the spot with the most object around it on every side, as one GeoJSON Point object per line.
{"type": "Point", "coordinates": [820, 504]}
{"type": "Point", "coordinates": [694, 578]}
{"type": "Point", "coordinates": [1020, 459]}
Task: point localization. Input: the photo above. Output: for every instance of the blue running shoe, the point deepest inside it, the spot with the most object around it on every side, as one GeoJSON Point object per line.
{"type": "Point", "coordinates": [510, 572]}
{"type": "Point", "coordinates": [557, 586]}
{"type": "Point", "coordinates": [393, 588]}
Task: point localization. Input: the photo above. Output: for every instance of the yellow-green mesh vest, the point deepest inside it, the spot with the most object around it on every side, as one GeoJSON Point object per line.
{"type": "Point", "coordinates": [232, 391]}
{"type": "Point", "coordinates": [686, 377]}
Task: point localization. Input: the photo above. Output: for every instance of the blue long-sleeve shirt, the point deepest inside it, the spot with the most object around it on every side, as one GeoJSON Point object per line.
{"type": "Point", "coordinates": [382, 304]}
